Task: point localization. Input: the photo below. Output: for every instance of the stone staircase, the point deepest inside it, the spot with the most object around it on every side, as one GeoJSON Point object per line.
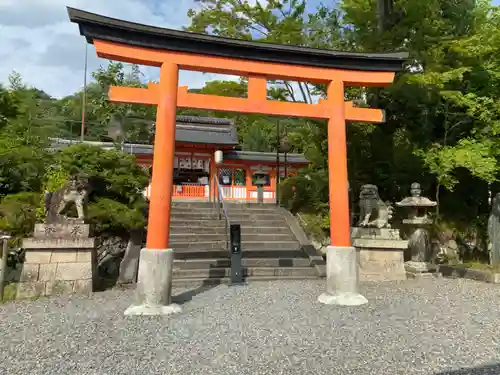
{"type": "Point", "coordinates": [270, 248]}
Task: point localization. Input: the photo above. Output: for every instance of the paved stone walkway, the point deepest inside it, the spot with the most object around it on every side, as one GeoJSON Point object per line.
{"type": "Point", "coordinates": [424, 327]}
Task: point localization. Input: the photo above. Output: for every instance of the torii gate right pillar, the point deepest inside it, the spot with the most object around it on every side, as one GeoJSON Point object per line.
{"type": "Point", "coordinates": [341, 257]}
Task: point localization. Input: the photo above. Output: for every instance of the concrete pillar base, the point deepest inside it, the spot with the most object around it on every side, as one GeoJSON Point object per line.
{"type": "Point", "coordinates": [342, 278]}
{"type": "Point", "coordinates": [152, 310]}
{"type": "Point", "coordinates": [154, 284]}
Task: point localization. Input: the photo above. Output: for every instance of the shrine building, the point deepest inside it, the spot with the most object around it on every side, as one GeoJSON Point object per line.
{"type": "Point", "coordinates": [197, 141]}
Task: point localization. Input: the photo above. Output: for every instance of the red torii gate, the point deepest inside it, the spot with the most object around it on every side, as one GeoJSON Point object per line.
{"type": "Point", "coordinates": [171, 50]}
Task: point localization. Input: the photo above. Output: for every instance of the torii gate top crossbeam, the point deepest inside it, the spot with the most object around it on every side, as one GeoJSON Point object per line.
{"type": "Point", "coordinates": [308, 64]}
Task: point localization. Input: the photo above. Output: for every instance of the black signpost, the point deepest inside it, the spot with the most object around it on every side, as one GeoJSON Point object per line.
{"type": "Point", "coordinates": [236, 266]}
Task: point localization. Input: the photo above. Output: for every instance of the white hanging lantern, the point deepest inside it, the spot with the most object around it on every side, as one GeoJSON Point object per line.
{"type": "Point", "coordinates": [219, 157]}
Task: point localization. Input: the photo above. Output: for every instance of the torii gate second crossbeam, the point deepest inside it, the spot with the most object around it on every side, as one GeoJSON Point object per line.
{"type": "Point", "coordinates": [172, 50]}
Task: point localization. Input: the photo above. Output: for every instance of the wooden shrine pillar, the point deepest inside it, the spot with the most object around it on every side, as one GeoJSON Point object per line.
{"type": "Point", "coordinates": [337, 167]}
{"type": "Point", "coordinates": [163, 159]}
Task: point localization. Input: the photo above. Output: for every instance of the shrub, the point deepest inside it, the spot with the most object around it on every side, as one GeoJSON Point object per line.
{"type": "Point", "coordinates": [115, 218]}
{"type": "Point", "coordinates": [18, 213]}
{"type": "Point", "coordinates": [316, 226]}
{"type": "Point", "coordinates": [305, 192]}
{"type": "Point", "coordinates": [112, 174]}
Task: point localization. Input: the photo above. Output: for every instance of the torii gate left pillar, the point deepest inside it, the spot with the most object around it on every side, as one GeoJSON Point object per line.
{"type": "Point", "coordinates": [156, 261]}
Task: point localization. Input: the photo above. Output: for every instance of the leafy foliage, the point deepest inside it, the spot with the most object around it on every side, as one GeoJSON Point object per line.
{"type": "Point", "coordinates": [18, 213]}
{"type": "Point", "coordinates": [112, 217]}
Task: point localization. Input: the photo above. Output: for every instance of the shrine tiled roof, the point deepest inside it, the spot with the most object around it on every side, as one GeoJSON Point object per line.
{"type": "Point", "coordinates": [265, 157]}
{"type": "Point", "coordinates": [146, 150]}
{"type": "Point", "coordinates": [192, 129]}
{"type": "Point", "coordinates": [206, 130]}
{"type": "Point", "coordinates": [189, 129]}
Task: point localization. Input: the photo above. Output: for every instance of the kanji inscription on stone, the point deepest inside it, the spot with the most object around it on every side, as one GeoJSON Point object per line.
{"type": "Point", "coordinates": [393, 235]}
{"type": "Point", "coordinates": [49, 230]}
{"type": "Point", "coordinates": [76, 231]}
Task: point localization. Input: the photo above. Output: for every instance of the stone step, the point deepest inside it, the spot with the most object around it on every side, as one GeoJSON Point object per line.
{"type": "Point", "coordinates": [253, 210]}
{"type": "Point", "coordinates": [220, 253]}
{"type": "Point", "coordinates": [247, 262]}
{"type": "Point", "coordinates": [254, 245]}
{"type": "Point", "coordinates": [192, 205]}
{"type": "Point", "coordinates": [187, 210]}
{"type": "Point", "coordinates": [194, 222]}
{"type": "Point", "coordinates": [255, 216]}
{"type": "Point", "coordinates": [221, 237]}
{"type": "Point", "coordinates": [189, 214]}
{"type": "Point", "coordinates": [193, 215]}
{"type": "Point", "coordinates": [194, 282]}
{"type": "Point", "coordinates": [221, 229]}
{"type": "Point", "coordinates": [247, 271]}
{"type": "Point", "coordinates": [230, 207]}
{"type": "Point", "coordinates": [187, 222]}
{"type": "Point", "coordinates": [249, 206]}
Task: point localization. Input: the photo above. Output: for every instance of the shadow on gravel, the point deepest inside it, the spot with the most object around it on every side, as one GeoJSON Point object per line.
{"type": "Point", "coordinates": [482, 370]}
{"type": "Point", "coordinates": [213, 280]}
{"type": "Point", "coordinates": [188, 296]}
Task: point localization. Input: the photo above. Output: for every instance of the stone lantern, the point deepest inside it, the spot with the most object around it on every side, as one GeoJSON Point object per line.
{"type": "Point", "coordinates": [418, 224]}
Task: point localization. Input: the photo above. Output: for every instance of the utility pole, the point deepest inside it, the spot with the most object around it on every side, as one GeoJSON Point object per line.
{"type": "Point", "coordinates": [84, 96]}
{"type": "Point", "coordinates": [384, 10]}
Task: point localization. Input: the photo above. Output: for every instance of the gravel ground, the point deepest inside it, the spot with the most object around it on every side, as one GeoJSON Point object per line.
{"type": "Point", "coordinates": [411, 327]}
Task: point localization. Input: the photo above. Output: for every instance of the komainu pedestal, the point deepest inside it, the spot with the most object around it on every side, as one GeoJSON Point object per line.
{"type": "Point", "coordinates": [380, 253]}
{"type": "Point", "coordinates": [60, 259]}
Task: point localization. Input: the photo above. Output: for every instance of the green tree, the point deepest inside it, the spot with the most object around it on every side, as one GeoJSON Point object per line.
{"type": "Point", "coordinates": [135, 120]}
{"type": "Point", "coordinates": [23, 140]}
{"type": "Point", "coordinates": [18, 213]}
{"type": "Point", "coordinates": [273, 21]}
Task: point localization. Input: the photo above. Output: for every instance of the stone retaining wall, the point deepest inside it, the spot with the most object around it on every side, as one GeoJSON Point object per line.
{"type": "Point", "coordinates": [470, 273]}
{"type": "Point", "coordinates": [61, 271]}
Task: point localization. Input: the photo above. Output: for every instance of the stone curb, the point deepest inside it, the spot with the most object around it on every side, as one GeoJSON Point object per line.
{"type": "Point", "coordinates": [469, 273]}
{"type": "Point", "coordinates": [316, 259]}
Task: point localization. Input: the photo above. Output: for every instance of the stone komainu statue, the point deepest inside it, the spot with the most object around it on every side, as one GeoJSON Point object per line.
{"type": "Point", "coordinates": [76, 191]}
{"type": "Point", "coordinates": [373, 211]}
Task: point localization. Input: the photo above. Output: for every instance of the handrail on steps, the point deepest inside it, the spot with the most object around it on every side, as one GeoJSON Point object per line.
{"type": "Point", "coordinates": [219, 203]}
